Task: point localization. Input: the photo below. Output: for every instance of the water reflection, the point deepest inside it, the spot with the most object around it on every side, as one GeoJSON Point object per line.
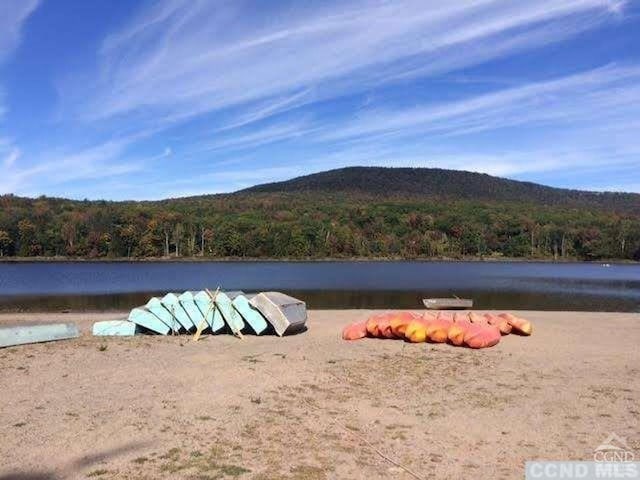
{"type": "Point", "coordinates": [87, 286]}
{"type": "Point", "coordinates": [341, 299]}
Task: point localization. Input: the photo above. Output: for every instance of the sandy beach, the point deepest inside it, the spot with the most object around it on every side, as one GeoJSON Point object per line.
{"type": "Point", "coordinates": [312, 406]}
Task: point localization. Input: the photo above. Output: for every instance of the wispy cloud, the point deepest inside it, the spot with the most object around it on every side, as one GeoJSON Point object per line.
{"type": "Point", "coordinates": [269, 108]}
{"type": "Point", "coordinates": [579, 122]}
{"type": "Point", "coordinates": [13, 14]}
{"type": "Point", "coordinates": [11, 157]}
{"type": "Point", "coordinates": [182, 58]}
{"type": "Point", "coordinates": [587, 98]}
{"type": "Point", "coordinates": [203, 83]}
{"type": "Point", "coordinates": [9, 153]}
{"type": "Point", "coordinates": [99, 162]}
{"type": "Point", "coordinates": [275, 132]}
{"type": "Point", "coordinates": [562, 162]}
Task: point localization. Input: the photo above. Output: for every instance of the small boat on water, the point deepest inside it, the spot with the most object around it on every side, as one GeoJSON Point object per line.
{"type": "Point", "coordinates": [286, 314]}
{"type": "Point", "coordinates": [447, 303]}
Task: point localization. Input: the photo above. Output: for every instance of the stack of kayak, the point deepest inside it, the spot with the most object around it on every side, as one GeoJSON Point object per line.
{"type": "Point", "coordinates": [468, 329]}
{"type": "Point", "coordinates": [211, 312]}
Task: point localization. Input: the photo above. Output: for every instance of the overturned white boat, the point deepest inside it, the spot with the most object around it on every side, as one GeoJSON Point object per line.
{"type": "Point", "coordinates": [286, 314]}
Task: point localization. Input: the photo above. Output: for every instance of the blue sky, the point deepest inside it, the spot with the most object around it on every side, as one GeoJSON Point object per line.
{"type": "Point", "coordinates": [155, 99]}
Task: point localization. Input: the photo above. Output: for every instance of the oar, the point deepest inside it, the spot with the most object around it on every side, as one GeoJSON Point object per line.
{"type": "Point", "coordinates": [235, 331]}
{"type": "Point", "coordinates": [203, 323]}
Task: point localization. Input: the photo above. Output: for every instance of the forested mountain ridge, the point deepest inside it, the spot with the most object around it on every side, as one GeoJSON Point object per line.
{"type": "Point", "coordinates": [347, 213]}
{"type": "Point", "coordinates": [452, 184]}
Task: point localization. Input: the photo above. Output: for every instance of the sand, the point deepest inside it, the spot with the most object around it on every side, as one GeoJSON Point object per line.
{"type": "Point", "coordinates": [312, 406]}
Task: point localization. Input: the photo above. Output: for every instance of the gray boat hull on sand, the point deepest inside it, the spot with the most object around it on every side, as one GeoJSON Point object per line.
{"type": "Point", "coordinates": [24, 334]}
{"type": "Point", "coordinates": [286, 314]}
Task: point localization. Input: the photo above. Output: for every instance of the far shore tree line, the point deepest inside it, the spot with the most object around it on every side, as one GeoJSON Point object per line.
{"type": "Point", "coordinates": [312, 226]}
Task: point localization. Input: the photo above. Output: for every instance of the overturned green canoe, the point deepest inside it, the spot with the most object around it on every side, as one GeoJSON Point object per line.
{"type": "Point", "coordinates": [155, 306]}
{"type": "Point", "coordinates": [115, 328]}
{"type": "Point", "coordinates": [172, 303]}
{"type": "Point", "coordinates": [229, 313]}
{"type": "Point", "coordinates": [209, 311]}
{"type": "Point", "coordinates": [20, 335]}
{"type": "Point", "coordinates": [143, 317]}
{"type": "Point", "coordinates": [250, 315]}
{"type": "Point", "coordinates": [188, 303]}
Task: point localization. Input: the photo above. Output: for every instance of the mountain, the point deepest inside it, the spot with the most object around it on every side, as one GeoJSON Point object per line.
{"type": "Point", "coordinates": [449, 184]}
{"type": "Point", "coordinates": [348, 213]}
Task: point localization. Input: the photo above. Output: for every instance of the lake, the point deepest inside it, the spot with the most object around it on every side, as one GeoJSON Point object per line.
{"type": "Point", "coordinates": [90, 286]}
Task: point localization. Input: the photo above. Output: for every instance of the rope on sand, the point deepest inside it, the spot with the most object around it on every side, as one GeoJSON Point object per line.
{"type": "Point", "coordinates": [375, 449]}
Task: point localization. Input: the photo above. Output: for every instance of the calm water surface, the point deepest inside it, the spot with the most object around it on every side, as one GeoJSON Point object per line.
{"type": "Point", "coordinates": [89, 286]}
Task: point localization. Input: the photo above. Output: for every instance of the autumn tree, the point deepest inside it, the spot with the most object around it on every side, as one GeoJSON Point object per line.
{"type": "Point", "coordinates": [315, 226]}
{"type": "Point", "coordinates": [129, 236]}
{"type": "Point", "coordinates": [5, 242]}
{"type": "Point", "coordinates": [206, 235]}
{"type": "Point", "coordinates": [26, 232]}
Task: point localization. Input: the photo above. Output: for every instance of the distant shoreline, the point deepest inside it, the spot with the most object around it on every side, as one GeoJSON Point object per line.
{"type": "Point", "coordinates": [62, 259]}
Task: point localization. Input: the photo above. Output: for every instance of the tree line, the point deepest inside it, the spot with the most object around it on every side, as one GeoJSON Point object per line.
{"type": "Point", "coordinates": [312, 225]}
